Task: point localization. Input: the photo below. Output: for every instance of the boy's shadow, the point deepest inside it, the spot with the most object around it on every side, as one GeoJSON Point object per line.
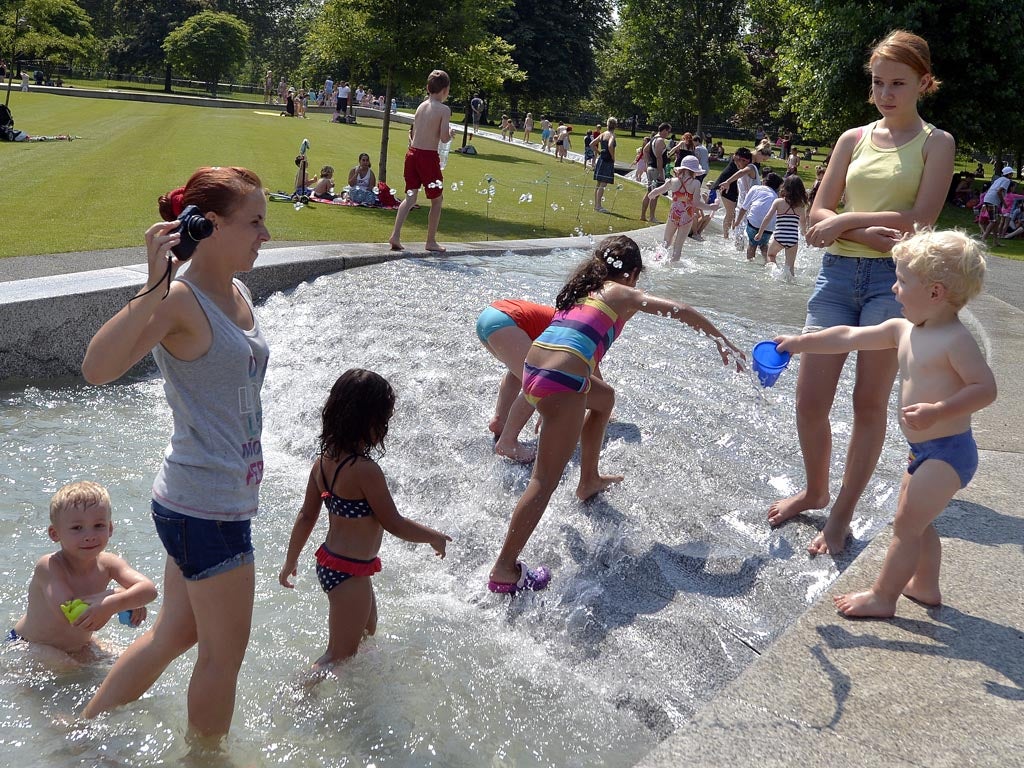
{"type": "Point", "coordinates": [957, 636]}
{"type": "Point", "coordinates": [614, 586]}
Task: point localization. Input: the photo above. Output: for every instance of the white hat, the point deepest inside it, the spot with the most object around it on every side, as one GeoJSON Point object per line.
{"type": "Point", "coordinates": [1007, 170]}
{"type": "Point", "coordinates": [691, 163]}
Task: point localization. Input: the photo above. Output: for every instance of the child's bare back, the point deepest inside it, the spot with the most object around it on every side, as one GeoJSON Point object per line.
{"type": "Point", "coordinates": [431, 124]}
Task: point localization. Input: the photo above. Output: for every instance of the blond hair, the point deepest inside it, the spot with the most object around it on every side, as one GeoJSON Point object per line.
{"type": "Point", "coordinates": [910, 49]}
{"type": "Point", "coordinates": [84, 493]}
{"type": "Point", "coordinates": [949, 257]}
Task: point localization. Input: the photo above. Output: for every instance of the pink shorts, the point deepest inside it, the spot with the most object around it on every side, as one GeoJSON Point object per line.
{"type": "Point", "coordinates": [541, 382]}
{"type": "Point", "coordinates": [423, 169]}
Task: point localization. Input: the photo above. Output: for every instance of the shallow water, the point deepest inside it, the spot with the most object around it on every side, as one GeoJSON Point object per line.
{"type": "Point", "coordinates": [664, 588]}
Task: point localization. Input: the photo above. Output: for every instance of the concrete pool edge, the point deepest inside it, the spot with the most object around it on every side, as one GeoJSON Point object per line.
{"type": "Point", "coordinates": [826, 687]}
{"type": "Point", "coordinates": [47, 322]}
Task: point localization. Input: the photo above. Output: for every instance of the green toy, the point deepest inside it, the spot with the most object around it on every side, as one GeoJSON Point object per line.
{"type": "Point", "coordinates": [73, 609]}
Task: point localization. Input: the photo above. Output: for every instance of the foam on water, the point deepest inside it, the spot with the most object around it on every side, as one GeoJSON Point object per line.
{"type": "Point", "coordinates": [663, 590]}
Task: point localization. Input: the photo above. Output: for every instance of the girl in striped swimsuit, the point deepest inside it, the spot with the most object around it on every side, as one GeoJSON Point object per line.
{"type": "Point", "coordinates": [573, 404]}
{"type": "Point", "coordinates": [790, 211]}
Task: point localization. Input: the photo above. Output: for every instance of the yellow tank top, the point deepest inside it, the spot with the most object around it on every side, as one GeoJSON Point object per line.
{"type": "Point", "coordinates": [880, 179]}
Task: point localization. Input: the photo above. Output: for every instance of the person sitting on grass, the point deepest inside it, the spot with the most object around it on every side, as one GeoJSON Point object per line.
{"type": "Point", "coordinates": [324, 187]}
{"type": "Point", "coordinates": [362, 184]}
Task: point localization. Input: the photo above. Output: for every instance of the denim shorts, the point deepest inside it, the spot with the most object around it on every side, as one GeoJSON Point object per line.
{"type": "Point", "coordinates": [752, 235]}
{"type": "Point", "coordinates": [203, 548]}
{"type": "Point", "coordinates": [852, 291]}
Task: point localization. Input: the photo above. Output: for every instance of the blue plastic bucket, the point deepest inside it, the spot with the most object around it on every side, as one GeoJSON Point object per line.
{"type": "Point", "coordinates": [769, 362]}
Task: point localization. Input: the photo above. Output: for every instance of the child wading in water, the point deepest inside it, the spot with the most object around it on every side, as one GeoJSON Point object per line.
{"type": "Point", "coordinates": [352, 487]}
{"type": "Point", "coordinates": [80, 571]}
{"type": "Point", "coordinates": [944, 379]}
{"type": "Point", "coordinates": [790, 215]}
{"type": "Point", "coordinates": [558, 380]}
{"type": "Point", "coordinates": [430, 127]}
{"type": "Point", "coordinates": [686, 201]}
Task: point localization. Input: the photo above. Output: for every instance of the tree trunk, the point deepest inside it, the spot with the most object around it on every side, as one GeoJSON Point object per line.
{"type": "Point", "coordinates": [382, 163]}
{"type": "Point", "coordinates": [167, 79]}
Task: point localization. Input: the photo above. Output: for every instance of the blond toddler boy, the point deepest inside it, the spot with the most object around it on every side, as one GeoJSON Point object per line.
{"type": "Point", "coordinates": [944, 379]}
{"type": "Point", "coordinates": [81, 569]}
{"type": "Point", "coordinates": [430, 127]}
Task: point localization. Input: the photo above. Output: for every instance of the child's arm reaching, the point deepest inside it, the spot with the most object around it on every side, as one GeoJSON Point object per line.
{"type": "Point", "coordinates": [668, 186]}
{"type": "Point", "coordinates": [979, 388]}
{"type": "Point", "coordinates": [138, 591]}
{"type": "Point", "coordinates": [845, 338]}
{"type": "Point", "coordinates": [684, 313]}
{"type": "Point", "coordinates": [776, 207]}
{"type": "Point", "coordinates": [375, 488]}
{"type": "Point", "coordinates": [304, 524]}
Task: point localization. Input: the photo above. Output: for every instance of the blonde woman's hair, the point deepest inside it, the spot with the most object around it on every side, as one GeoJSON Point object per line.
{"type": "Point", "coordinates": [910, 49]}
{"type": "Point", "coordinates": [613, 123]}
{"type": "Point", "coordinates": [949, 257]}
{"type": "Point", "coordinates": [84, 493]}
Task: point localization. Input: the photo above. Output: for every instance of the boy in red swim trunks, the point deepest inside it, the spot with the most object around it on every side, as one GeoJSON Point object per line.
{"type": "Point", "coordinates": [430, 127]}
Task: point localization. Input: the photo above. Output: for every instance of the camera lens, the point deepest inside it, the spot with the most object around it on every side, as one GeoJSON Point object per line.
{"type": "Point", "coordinates": [193, 228]}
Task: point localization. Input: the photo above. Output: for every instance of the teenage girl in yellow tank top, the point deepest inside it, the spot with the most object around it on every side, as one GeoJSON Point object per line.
{"type": "Point", "coordinates": [894, 173]}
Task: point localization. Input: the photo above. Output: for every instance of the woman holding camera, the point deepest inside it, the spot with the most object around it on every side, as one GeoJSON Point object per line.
{"type": "Point", "coordinates": [207, 342]}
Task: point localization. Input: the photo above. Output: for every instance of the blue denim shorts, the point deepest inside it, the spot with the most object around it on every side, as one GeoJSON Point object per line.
{"type": "Point", "coordinates": [852, 291]}
{"type": "Point", "coordinates": [752, 235]}
{"type": "Point", "coordinates": [203, 548]}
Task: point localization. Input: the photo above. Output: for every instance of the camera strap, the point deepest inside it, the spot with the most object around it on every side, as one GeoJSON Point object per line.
{"type": "Point", "coordinates": [167, 277]}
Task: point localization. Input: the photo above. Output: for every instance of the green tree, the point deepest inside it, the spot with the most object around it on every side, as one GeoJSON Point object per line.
{"type": "Point", "coordinates": [46, 29]}
{"type": "Point", "coordinates": [675, 61]}
{"type": "Point", "coordinates": [209, 45]}
{"type": "Point", "coordinates": [404, 41]}
{"type": "Point", "coordinates": [554, 45]}
{"type": "Point", "coordinates": [976, 52]}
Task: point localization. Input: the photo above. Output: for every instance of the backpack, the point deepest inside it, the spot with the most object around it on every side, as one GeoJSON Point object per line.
{"type": "Point", "coordinates": [384, 196]}
{"type": "Point", "coordinates": [6, 118]}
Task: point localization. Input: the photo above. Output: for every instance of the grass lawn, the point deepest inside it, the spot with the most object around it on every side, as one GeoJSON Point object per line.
{"type": "Point", "coordinates": [101, 191]}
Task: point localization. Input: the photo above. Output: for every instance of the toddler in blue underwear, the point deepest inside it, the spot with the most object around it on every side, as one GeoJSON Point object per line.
{"type": "Point", "coordinates": [347, 481]}
{"type": "Point", "coordinates": [944, 379]}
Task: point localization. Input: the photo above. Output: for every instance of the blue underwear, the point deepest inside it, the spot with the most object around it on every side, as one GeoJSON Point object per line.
{"type": "Point", "coordinates": [959, 451]}
{"type": "Point", "coordinates": [12, 637]}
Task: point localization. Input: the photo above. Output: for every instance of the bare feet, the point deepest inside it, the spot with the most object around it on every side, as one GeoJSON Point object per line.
{"type": "Point", "coordinates": [435, 248]}
{"type": "Point", "coordinates": [784, 509]}
{"type": "Point", "coordinates": [866, 604]}
{"type": "Point", "coordinates": [929, 596]}
{"type": "Point", "coordinates": [495, 425]}
{"type": "Point", "coordinates": [829, 542]}
{"type": "Point", "coordinates": [590, 488]}
{"type": "Point", "coordinates": [395, 245]}
{"type": "Point", "coordinates": [522, 454]}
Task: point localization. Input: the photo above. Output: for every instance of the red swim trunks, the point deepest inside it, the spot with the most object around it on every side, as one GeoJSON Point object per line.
{"type": "Point", "coordinates": [423, 169]}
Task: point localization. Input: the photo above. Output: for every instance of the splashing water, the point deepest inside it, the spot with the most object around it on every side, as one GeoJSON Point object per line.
{"type": "Point", "coordinates": [661, 586]}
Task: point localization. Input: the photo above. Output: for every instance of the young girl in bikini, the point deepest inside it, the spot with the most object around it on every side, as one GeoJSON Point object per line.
{"type": "Point", "coordinates": [558, 380]}
{"type": "Point", "coordinates": [686, 201]}
{"type": "Point", "coordinates": [790, 212]}
{"type": "Point", "coordinates": [349, 483]}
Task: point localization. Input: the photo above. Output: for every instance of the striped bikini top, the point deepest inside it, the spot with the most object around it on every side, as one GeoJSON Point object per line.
{"type": "Point", "coordinates": [586, 330]}
{"type": "Point", "coordinates": [337, 505]}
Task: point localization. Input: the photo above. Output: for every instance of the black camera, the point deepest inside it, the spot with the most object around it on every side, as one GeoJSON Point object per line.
{"type": "Point", "coordinates": [193, 228]}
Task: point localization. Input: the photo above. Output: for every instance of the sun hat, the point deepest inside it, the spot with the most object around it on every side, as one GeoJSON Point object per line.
{"type": "Point", "coordinates": [691, 163]}
{"type": "Point", "coordinates": [1007, 170]}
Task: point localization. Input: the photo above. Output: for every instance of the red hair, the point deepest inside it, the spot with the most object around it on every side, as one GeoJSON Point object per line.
{"type": "Point", "coordinates": [910, 49]}
{"type": "Point", "coordinates": [213, 190]}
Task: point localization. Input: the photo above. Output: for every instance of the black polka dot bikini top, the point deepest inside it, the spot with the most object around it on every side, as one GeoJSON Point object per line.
{"type": "Point", "coordinates": [337, 505]}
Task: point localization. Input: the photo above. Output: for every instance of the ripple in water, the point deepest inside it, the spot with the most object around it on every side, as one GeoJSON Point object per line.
{"type": "Point", "coordinates": [664, 588]}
